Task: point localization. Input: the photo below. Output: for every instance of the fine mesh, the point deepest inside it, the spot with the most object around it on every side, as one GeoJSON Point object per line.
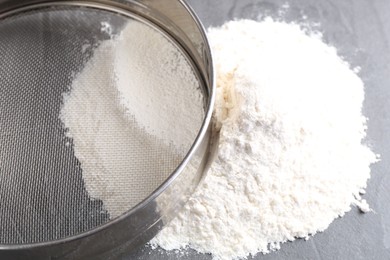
{"type": "Point", "coordinates": [43, 196]}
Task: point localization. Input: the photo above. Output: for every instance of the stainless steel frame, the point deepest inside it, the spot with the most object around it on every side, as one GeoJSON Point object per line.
{"type": "Point", "coordinates": [142, 222]}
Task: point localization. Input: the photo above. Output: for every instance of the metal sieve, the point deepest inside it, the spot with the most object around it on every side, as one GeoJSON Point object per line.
{"type": "Point", "coordinates": [46, 212]}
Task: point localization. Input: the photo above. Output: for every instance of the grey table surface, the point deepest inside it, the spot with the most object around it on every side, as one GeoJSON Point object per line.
{"type": "Point", "coordinates": [360, 30]}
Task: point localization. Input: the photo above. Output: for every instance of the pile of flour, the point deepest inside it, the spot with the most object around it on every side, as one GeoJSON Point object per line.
{"type": "Point", "coordinates": [132, 112]}
{"type": "Point", "coordinates": [291, 158]}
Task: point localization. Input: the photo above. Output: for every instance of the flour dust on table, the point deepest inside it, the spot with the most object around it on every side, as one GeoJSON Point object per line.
{"type": "Point", "coordinates": [291, 154]}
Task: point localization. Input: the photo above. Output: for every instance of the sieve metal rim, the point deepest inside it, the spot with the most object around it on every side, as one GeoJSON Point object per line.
{"type": "Point", "coordinates": [203, 64]}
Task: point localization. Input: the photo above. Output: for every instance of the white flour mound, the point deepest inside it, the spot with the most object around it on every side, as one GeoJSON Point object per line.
{"type": "Point", "coordinates": [291, 158]}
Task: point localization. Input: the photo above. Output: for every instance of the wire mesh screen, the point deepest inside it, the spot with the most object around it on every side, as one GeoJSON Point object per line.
{"type": "Point", "coordinates": [43, 194]}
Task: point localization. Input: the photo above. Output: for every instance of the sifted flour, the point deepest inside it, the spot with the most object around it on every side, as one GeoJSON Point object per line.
{"type": "Point", "coordinates": [158, 87]}
{"type": "Point", "coordinates": [132, 112]}
{"type": "Point", "coordinates": [290, 158]}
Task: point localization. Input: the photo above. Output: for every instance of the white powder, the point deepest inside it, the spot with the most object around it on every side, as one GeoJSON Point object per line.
{"type": "Point", "coordinates": [290, 157]}
{"type": "Point", "coordinates": [158, 86]}
{"type": "Point", "coordinates": [133, 112]}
